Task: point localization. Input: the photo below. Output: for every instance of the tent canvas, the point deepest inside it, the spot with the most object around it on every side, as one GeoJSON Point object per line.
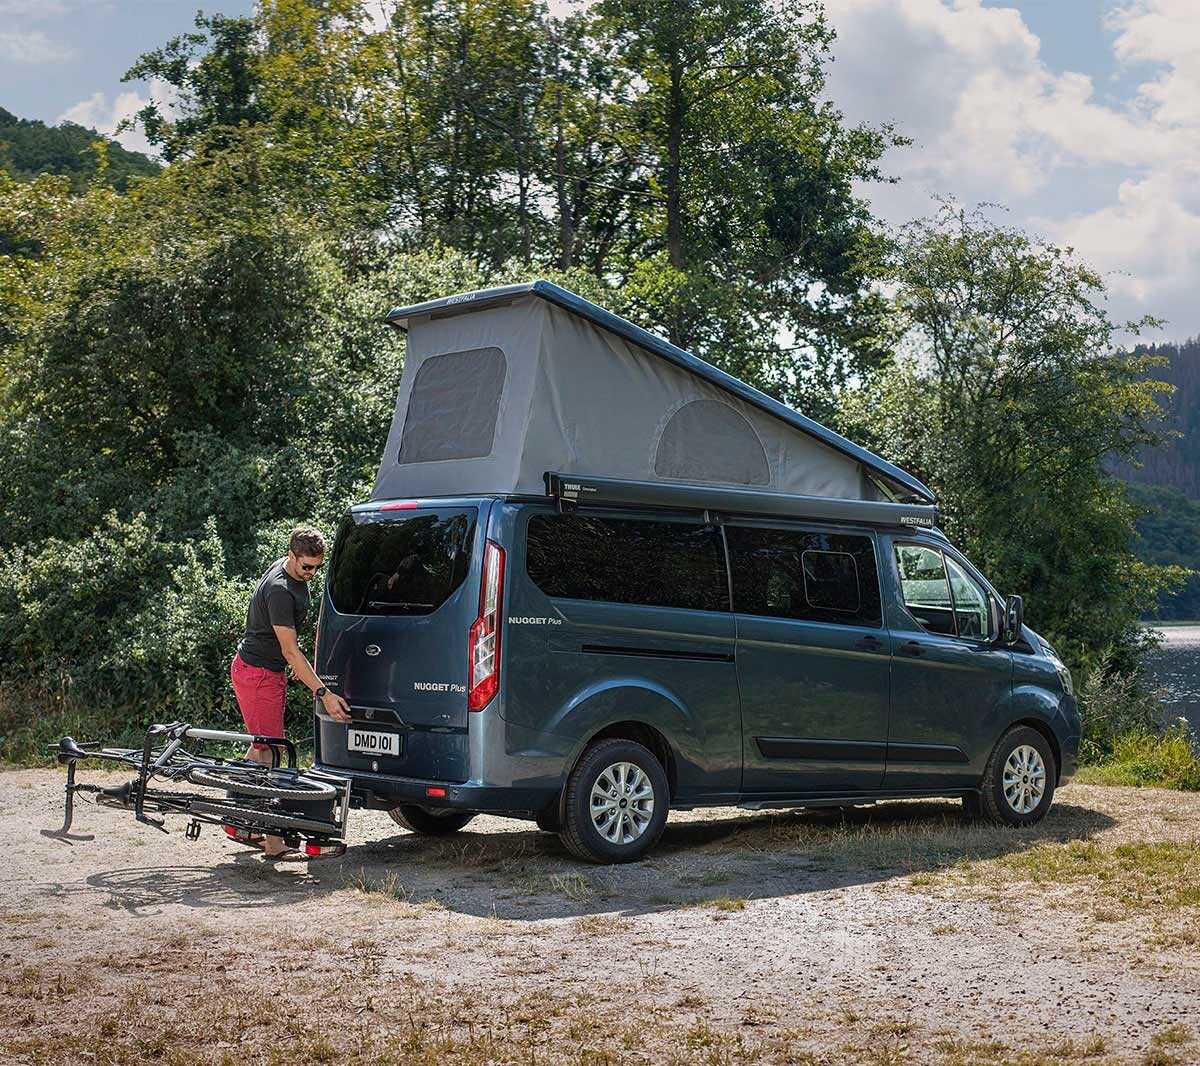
{"type": "Point", "coordinates": [503, 385]}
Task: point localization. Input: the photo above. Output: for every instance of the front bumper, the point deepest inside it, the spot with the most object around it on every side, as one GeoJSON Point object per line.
{"type": "Point", "coordinates": [384, 791]}
{"type": "Point", "coordinates": [1070, 759]}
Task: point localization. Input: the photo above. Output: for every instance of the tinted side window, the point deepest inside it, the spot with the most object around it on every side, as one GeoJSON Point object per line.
{"type": "Point", "coordinates": [662, 564]}
{"type": "Point", "coordinates": [814, 577]}
{"type": "Point", "coordinates": [400, 565]}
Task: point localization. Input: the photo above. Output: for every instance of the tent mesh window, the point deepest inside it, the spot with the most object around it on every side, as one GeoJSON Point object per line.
{"type": "Point", "coordinates": [707, 440]}
{"type": "Point", "coordinates": [453, 408]}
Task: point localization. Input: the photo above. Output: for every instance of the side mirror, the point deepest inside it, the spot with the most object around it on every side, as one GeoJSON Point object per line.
{"type": "Point", "coordinates": [1014, 619]}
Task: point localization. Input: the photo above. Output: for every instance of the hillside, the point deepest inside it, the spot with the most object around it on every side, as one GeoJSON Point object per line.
{"type": "Point", "coordinates": [1177, 465]}
{"type": "Point", "coordinates": [29, 147]}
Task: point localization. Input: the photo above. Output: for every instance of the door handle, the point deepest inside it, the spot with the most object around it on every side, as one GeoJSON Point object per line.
{"type": "Point", "coordinates": [868, 644]}
{"type": "Point", "coordinates": [910, 647]}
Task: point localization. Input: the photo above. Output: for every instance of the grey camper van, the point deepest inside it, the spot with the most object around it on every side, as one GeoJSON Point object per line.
{"type": "Point", "coordinates": [598, 579]}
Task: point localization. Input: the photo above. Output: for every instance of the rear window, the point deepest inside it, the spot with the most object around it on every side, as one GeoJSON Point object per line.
{"type": "Point", "coordinates": [616, 560]}
{"type": "Point", "coordinates": [404, 563]}
{"type": "Point", "coordinates": [809, 576]}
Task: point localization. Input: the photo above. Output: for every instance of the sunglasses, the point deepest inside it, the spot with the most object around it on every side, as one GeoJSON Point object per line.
{"type": "Point", "coordinates": [310, 568]}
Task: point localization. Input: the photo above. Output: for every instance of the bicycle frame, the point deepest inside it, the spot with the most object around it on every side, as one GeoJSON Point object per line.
{"type": "Point", "coordinates": [164, 755]}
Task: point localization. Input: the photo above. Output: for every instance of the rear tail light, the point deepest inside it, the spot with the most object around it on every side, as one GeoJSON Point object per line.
{"type": "Point", "coordinates": [325, 849]}
{"type": "Point", "coordinates": [483, 671]}
{"type": "Point", "coordinates": [237, 834]}
{"type": "Point", "coordinates": [434, 791]}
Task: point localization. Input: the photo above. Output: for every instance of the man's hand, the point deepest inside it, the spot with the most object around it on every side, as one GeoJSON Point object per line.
{"type": "Point", "coordinates": [336, 707]}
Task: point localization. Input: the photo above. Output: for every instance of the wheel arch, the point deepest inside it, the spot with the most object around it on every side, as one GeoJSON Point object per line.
{"type": "Point", "coordinates": [637, 731]}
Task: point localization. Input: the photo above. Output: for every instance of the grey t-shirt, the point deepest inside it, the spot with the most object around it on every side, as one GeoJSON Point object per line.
{"type": "Point", "coordinates": [279, 600]}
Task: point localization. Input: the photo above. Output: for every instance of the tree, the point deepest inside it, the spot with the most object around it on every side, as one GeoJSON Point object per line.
{"type": "Point", "coordinates": [752, 229]}
{"type": "Point", "coordinates": [215, 75]}
{"type": "Point", "coordinates": [1009, 396]}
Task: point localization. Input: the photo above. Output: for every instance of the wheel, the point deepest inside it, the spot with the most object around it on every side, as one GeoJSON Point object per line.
{"type": "Point", "coordinates": [430, 821]}
{"type": "Point", "coordinates": [1018, 781]}
{"type": "Point", "coordinates": [270, 784]}
{"type": "Point", "coordinates": [616, 803]}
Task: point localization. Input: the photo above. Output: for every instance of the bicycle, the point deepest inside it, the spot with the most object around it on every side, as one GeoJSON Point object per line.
{"type": "Point", "coordinates": [297, 805]}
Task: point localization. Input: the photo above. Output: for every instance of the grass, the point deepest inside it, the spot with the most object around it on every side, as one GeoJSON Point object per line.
{"type": "Point", "coordinates": [1122, 880]}
{"type": "Point", "coordinates": [1141, 758]}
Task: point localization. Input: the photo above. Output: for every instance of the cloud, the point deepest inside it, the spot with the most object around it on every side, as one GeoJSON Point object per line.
{"type": "Point", "coordinates": [46, 9]}
{"type": "Point", "coordinates": [98, 113]}
{"type": "Point", "coordinates": [991, 121]}
{"type": "Point", "coordinates": [32, 47]}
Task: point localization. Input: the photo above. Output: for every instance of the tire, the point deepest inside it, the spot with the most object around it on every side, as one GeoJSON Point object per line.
{"type": "Point", "coordinates": [266, 820]}
{"type": "Point", "coordinates": [429, 821]}
{"type": "Point", "coordinates": [1020, 764]}
{"type": "Point", "coordinates": [614, 833]}
{"type": "Point", "coordinates": [262, 783]}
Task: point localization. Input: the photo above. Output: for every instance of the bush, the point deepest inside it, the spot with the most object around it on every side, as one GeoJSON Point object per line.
{"type": "Point", "coordinates": [1161, 760]}
{"type": "Point", "coordinates": [1113, 705]}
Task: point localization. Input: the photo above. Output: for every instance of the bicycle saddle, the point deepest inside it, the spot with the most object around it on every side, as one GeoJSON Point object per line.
{"type": "Point", "coordinates": [69, 750]}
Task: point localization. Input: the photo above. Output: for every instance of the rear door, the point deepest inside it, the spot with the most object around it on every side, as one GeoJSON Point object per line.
{"type": "Point", "coordinates": [812, 658]}
{"type": "Point", "coordinates": [400, 598]}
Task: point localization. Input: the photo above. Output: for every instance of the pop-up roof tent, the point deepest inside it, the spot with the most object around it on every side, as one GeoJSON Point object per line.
{"type": "Point", "coordinates": [503, 386]}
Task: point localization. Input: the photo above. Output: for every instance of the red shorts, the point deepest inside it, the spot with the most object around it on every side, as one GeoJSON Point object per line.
{"type": "Point", "coordinates": [261, 695]}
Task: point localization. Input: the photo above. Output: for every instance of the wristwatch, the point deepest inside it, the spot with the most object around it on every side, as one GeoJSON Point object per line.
{"type": "Point", "coordinates": [321, 693]}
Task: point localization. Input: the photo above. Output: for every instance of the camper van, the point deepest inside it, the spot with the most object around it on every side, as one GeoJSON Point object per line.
{"type": "Point", "coordinates": [599, 579]}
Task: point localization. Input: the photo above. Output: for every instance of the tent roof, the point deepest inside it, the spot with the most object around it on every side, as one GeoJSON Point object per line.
{"type": "Point", "coordinates": [569, 301]}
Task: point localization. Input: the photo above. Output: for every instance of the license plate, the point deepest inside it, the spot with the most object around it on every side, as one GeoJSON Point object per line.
{"type": "Point", "coordinates": [372, 742]}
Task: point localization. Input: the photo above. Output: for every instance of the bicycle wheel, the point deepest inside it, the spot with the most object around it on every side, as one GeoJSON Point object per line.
{"type": "Point", "coordinates": [269, 784]}
{"type": "Point", "coordinates": [267, 820]}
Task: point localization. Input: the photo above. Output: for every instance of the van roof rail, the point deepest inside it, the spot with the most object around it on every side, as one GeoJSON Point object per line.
{"type": "Point", "coordinates": [582, 491]}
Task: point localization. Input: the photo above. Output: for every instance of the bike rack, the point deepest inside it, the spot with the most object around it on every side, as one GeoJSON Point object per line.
{"type": "Point", "coordinates": [165, 761]}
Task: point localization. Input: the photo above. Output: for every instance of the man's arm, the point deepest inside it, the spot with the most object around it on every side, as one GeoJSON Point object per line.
{"type": "Point", "coordinates": [335, 706]}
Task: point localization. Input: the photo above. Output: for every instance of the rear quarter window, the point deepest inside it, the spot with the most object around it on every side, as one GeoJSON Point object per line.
{"type": "Point", "coordinates": [618, 560]}
{"type": "Point", "coordinates": [400, 563]}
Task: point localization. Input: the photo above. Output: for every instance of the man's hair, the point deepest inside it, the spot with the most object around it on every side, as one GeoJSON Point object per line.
{"type": "Point", "coordinates": [306, 541]}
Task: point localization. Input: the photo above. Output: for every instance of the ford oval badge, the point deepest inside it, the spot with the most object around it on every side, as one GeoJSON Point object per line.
{"type": "Point", "coordinates": [372, 649]}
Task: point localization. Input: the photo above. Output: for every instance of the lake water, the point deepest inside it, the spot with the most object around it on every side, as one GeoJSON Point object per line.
{"type": "Point", "coordinates": [1175, 667]}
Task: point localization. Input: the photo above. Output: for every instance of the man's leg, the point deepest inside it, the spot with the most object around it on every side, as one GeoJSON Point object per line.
{"type": "Point", "coordinates": [261, 696]}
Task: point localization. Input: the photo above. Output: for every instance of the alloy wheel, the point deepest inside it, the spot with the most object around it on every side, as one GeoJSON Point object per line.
{"type": "Point", "coordinates": [622, 803]}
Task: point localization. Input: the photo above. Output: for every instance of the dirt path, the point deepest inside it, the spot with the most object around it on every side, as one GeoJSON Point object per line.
{"type": "Point", "coordinates": [897, 934]}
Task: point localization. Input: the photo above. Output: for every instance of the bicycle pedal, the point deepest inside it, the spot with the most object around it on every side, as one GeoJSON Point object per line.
{"type": "Point", "coordinates": [192, 832]}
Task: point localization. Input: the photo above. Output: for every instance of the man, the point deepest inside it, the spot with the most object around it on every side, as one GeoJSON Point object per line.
{"type": "Point", "coordinates": [277, 611]}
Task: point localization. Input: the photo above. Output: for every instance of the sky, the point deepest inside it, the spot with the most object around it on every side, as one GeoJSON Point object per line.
{"type": "Point", "coordinates": [1080, 117]}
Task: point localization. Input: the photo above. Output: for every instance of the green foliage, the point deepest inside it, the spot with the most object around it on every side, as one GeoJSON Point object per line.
{"type": "Point", "coordinates": [29, 148]}
{"type": "Point", "coordinates": [684, 155]}
{"type": "Point", "coordinates": [1168, 528]}
{"type": "Point", "coordinates": [1006, 400]}
{"type": "Point", "coordinates": [1150, 759]}
{"type": "Point", "coordinates": [194, 363]}
{"type": "Point", "coordinates": [1127, 739]}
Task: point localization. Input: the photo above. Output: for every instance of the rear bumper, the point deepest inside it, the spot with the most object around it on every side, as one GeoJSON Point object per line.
{"type": "Point", "coordinates": [383, 791]}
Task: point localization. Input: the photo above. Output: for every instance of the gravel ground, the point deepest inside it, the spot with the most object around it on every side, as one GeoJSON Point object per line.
{"type": "Point", "coordinates": [898, 933]}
